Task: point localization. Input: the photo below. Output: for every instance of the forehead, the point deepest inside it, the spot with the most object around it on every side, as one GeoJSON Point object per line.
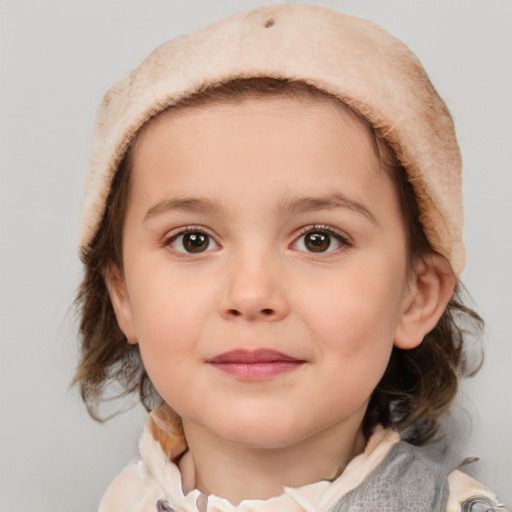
{"type": "Point", "coordinates": [251, 156]}
{"type": "Point", "coordinates": [269, 121]}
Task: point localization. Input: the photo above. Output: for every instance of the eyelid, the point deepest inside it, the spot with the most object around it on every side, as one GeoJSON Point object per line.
{"type": "Point", "coordinates": [341, 236]}
{"type": "Point", "coordinates": [175, 233]}
{"type": "Point", "coordinates": [322, 227]}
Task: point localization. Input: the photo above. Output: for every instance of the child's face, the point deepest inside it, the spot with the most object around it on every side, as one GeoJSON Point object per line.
{"type": "Point", "coordinates": [263, 225]}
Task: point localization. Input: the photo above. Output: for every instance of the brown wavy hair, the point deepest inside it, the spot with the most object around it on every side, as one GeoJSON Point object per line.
{"type": "Point", "coordinates": [418, 385]}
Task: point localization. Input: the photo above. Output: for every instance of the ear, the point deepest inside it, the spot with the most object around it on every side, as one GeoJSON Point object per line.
{"type": "Point", "coordinates": [431, 286]}
{"type": "Point", "coordinates": [116, 286]}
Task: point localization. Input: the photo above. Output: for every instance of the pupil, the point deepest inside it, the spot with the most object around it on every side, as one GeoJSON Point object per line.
{"type": "Point", "coordinates": [195, 242]}
{"type": "Point", "coordinates": [317, 242]}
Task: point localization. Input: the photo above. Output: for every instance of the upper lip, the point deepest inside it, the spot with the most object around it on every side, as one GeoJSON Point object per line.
{"type": "Point", "coordinates": [244, 356]}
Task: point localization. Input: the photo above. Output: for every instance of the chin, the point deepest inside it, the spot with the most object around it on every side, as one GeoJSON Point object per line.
{"type": "Point", "coordinates": [263, 433]}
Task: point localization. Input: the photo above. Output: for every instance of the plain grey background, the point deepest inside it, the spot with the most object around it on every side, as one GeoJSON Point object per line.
{"type": "Point", "coordinates": [58, 57]}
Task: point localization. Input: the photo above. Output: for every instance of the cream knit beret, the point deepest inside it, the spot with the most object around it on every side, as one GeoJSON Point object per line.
{"type": "Point", "coordinates": [351, 58]}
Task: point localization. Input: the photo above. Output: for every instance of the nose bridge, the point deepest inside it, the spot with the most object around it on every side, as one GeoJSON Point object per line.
{"type": "Point", "coordinates": [253, 289]}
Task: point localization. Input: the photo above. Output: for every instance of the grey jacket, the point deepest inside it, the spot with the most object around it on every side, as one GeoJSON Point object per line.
{"type": "Point", "coordinates": [408, 480]}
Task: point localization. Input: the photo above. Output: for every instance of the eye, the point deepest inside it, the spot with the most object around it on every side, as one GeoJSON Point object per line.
{"type": "Point", "coordinates": [319, 239]}
{"type": "Point", "coordinates": [192, 242]}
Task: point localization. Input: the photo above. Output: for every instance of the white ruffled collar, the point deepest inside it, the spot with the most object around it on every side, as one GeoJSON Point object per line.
{"type": "Point", "coordinates": [163, 441]}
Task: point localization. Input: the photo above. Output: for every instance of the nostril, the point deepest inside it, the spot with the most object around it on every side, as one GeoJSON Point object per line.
{"type": "Point", "coordinates": [234, 312]}
{"type": "Point", "coordinates": [267, 312]}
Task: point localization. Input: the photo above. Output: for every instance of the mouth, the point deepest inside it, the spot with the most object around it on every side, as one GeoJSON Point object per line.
{"type": "Point", "coordinates": [255, 364]}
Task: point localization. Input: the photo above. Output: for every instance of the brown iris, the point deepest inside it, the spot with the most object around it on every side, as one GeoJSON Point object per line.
{"type": "Point", "coordinates": [317, 242]}
{"type": "Point", "coordinates": [195, 241]}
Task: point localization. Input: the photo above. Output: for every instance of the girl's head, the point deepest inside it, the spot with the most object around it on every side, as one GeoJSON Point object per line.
{"type": "Point", "coordinates": [256, 211]}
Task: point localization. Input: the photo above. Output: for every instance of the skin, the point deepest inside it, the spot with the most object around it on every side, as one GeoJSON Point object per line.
{"type": "Point", "coordinates": [242, 175]}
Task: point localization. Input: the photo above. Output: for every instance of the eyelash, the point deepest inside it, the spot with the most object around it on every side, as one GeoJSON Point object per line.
{"type": "Point", "coordinates": [341, 238]}
{"type": "Point", "coordinates": [188, 230]}
{"type": "Point", "coordinates": [321, 229]}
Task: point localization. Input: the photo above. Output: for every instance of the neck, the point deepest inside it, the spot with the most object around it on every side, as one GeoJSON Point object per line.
{"type": "Point", "coordinates": [236, 472]}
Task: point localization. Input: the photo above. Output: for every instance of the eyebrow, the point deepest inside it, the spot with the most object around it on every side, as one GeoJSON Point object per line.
{"type": "Point", "coordinates": [287, 205]}
{"type": "Point", "coordinates": [185, 204]}
{"type": "Point", "coordinates": [327, 202]}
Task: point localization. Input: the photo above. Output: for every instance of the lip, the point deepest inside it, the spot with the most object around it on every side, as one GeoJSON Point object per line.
{"type": "Point", "coordinates": [255, 364]}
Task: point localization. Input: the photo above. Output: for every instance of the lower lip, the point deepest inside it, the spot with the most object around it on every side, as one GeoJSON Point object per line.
{"type": "Point", "coordinates": [257, 370]}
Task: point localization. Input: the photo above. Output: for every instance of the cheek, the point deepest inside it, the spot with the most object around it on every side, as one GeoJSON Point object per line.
{"type": "Point", "coordinates": [364, 312]}
{"type": "Point", "coordinates": [169, 321]}
{"type": "Point", "coordinates": [353, 321]}
{"type": "Point", "coordinates": [167, 303]}
{"type": "Point", "coordinates": [167, 338]}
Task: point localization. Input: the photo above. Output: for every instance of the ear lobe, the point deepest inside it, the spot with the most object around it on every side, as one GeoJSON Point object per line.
{"type": "Point", "coordinates": [430, 289]}
{"type": "Point", "coordinates": [120, 300]}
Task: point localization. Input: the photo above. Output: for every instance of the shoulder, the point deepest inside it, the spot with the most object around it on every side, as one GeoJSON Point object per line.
{"type": "Point", "coordinates": [464, 493]}
{"type": "Point", "coordinates": [469, 495]}
{"type": "Point", "coordinates": [425, 475]}
{"type": "Point", "coordinates": [142, 483]}
{"type": "Point", "coordinates": [133, 489]}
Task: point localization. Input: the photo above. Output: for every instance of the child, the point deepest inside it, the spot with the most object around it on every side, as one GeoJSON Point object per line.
{"type": "Point", "coordinates": [272, 237]}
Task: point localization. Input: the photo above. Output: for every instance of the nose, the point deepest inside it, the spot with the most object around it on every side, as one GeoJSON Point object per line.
{"type": "Point", "coordinates": [254, 290]}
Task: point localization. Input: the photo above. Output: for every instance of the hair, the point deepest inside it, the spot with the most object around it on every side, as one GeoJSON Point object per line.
{"type": "Point", "coordinates": [418, 385]}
